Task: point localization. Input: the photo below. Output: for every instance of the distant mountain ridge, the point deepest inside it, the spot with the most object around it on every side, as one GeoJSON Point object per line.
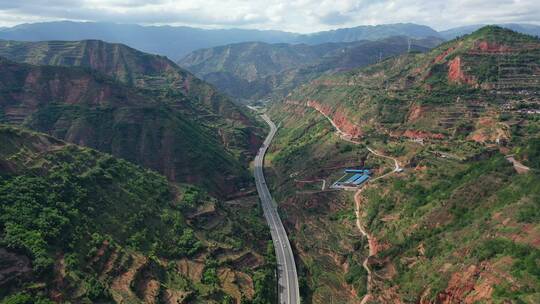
{"type": "Point", "coordinates": [173, 42]}
{"type": "Point", "coordinates": [255, 70]}
{"type": "Point", "coordinates": [369, 32]}
{"type": "Point", "coordinates": [177, 41]}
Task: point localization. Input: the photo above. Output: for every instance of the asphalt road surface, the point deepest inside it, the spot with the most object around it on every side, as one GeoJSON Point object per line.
{"type": "Point", "coordinates": [287, 276]}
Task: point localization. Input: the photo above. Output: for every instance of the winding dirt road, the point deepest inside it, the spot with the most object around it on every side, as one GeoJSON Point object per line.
{"type": "Point", "coordinates": [357, 201]}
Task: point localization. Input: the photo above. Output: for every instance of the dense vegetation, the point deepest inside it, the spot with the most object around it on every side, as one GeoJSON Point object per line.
{"type": "Point", "coordinates": [73, 210]}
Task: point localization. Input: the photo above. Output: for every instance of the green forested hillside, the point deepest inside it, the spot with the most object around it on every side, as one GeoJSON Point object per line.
{"type": "Point", "coordinates": [81, 226]}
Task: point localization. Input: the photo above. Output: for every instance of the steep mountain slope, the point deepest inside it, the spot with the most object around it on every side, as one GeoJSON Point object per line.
{"type": "Point", "coordinates": [80, 226]}
{"type": "Point", "coordinates": [253, 60]}
{"type": "Point", "coordinates": [444, 93]}
{"type": "Point", "coordinates": [243, 70]}
{"type": "Point", "coordinates": [85, 107]}
{"type": "Point", "coordinates": [458, 224]}
{"type": "Point", "coordinates": [129, 66]}
{"type": "Point", "coordinates": [255, 70]}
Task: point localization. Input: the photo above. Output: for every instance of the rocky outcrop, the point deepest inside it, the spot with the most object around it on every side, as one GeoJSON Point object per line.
{"type": "Point", "coordinates": [456, 73]}
{"type": "Point", "coordinates": [491, 47]}
{"type": "Point", "coordinates": [346, 126]}
{"type": "Point", "coordinates": [473, 285]}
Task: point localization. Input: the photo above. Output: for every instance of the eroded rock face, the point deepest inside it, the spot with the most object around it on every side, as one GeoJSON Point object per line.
{"type": "Point", "coordinates": [40, 86]}
{"type": "Point", "coordinates": [456, 73]}
{"type": "Point", "coordinates": [491, 47]}
{"type": "Point", "coordinates": [346, 126]}
{"type": "Point", "coordinates": [473, 285]}
{"type": "Point", "coordinates": [339, 118]}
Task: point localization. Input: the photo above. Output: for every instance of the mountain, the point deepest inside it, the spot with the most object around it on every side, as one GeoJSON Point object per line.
{"type": "Point", "coordinates": [369, 32]}
{"type": "Point", "coordinates": [529, 29]}
{"type": "Point", "coordinates": [118, 61]}
{"type": "Point", "coordinates": [170, 133]}
{"type": "Point", "coordinates": [129, 66]}
{"type": "Point", "coordinates": [171, 41]}
{"type": "Point", "coordinates": [483, 66]}
{"type": "Point", "coordinates": [253, 60]}
{"type": "Point", "coordinates": [176, 42]}
{"type": "Point", "coordinates": [451, 140]}
{"type": "Point", "coordinates": [81, 226]}
{"type": "Point", "coordinates": [255, 70]}
{"type": "Point", "coordinates": [242, 70]}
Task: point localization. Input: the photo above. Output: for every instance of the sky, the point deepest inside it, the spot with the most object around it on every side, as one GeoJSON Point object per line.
{"type": "Point", "coordinates": [302, 16]}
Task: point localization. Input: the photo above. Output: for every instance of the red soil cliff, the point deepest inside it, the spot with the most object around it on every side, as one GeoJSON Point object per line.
{"type": "Point", "coordinates": [491, 47]}
{"type": "Point", "coordinates": [339, 119]}
{"type": "Point", "coordinates": [456, 73]}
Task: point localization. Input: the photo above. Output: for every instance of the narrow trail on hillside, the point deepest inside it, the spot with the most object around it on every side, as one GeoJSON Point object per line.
{"type": "Point", "coordinates": [372, 243]}
{"type": "Point", "coordinates": [372, 249]}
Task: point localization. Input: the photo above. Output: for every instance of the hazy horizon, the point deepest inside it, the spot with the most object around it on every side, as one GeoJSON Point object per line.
{"type": "Point", "coordinates": [303, 16]}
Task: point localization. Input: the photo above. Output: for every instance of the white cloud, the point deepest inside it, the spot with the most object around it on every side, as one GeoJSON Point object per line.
{"type": "Point", "coordinates": [292, 15]}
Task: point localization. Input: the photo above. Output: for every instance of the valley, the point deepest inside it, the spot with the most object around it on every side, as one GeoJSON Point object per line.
{"type": "Point", "coordinates": [253, 70]}
{"type": "Point", "coordinates": [375, 164]}
{"type": "Point", "coordinates": [151, 198]}
{"type": "Point", "coordinates": [287, 276]}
